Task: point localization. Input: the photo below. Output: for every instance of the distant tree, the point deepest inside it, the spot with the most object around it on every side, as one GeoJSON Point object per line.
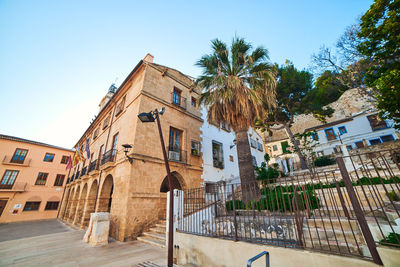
{"type": "Point", "coordinates": [238, 87]}
{"type": "Point", "coordinates": [344, 60]}
{"type": "Point", "coordinates": [380, 33]}
{"type": "Point", "coordinates": [292, 99]}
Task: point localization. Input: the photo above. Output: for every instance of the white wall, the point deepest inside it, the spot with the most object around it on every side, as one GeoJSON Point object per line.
{"type": "Point", "coordinates": [230, 172]}
{"type": "Point", "coordinates": [358, 129]}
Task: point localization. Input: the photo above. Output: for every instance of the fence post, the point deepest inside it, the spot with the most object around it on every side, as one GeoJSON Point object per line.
{"type": "Point", "coordinates": [234, 212]}
{"type": "Point", "coordinates": [358, 211]}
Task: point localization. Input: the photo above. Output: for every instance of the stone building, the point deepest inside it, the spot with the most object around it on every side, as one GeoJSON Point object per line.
{"type": "Point", "coordinates": [134, 192]}
{"type": "Point", "coordinates": [32, 179]}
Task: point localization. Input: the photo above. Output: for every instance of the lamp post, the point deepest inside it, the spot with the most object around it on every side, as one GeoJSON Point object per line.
{"type": "Point", "coordinates": [151, 117]}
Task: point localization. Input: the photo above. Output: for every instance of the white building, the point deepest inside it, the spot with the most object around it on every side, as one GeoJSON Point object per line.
{"type": "Point", "coordinates": [220, 162]}
{"type": "Point", "coordinates": [357, 131]}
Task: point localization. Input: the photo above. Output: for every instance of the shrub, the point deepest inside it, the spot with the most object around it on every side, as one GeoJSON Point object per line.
{"type": "Point", "coordinates": [324, 161]}
{"type": "Point", "coordinates": [392, 196]}
{"type": "Point", "coordinates": [267, 174]}
{"type": "Point", "coordinates": [391, 239]}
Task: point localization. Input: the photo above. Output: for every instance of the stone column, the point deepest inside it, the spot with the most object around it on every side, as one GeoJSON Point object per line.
{"type": "Point", "coordinates": [98, 230]}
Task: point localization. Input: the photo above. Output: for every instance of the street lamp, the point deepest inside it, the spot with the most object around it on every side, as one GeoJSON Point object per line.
{"type": "Point", "coordinates": [151, 117]}
{"type": "Point", "coordinates": [126, 150]}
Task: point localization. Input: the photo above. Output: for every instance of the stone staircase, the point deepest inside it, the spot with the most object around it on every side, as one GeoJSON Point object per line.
{"type": "Point", "coordinates": [156, 235]}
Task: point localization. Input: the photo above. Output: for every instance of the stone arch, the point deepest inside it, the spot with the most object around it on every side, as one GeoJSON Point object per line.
{"type": "Point", "coordinates": [177, 182]}
{"type": "Point", "coordinates": [90, 203]}
{"type": "Point", "coordinates": [105, 199]}
{"type": "Point", "coordinates": [81, 205]}
{"type": "Point", "coordinates": [69, 204]}
{"type": "Point", "coordinates": [74, 204]}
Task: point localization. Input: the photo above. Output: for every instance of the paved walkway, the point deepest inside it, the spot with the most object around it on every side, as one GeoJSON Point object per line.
{"type": "Point", "coordinates": [63, 246]}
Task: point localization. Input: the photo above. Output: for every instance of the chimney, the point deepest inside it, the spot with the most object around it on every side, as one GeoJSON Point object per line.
{"type": "Point", "coordinates": [148, 58]}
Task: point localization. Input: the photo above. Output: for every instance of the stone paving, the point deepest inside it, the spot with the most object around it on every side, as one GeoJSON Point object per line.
{"type": "Point", "coordinates": [51, 243]}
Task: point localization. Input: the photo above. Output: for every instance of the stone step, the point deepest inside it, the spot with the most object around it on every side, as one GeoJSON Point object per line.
{"type": "Point", "coordinates": [155, 235]}
{"type": "Point", "coordinates": [160, 230]}
{"type": "Point", "coordinates": [341, 247]}
{"type": "Point", "coordinates": [333, 234]}
{"type": "Point", "coordinates": [161, 225]}
{"type": "Point", "coordinates": [333, 223]}
{"type": "Point", "coordinates": [152, 241]}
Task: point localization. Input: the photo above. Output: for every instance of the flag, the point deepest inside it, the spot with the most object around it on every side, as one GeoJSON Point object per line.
{"type": "Point", "coordinates": [69, 163]}
{"type": "Point", "coordinates": [87, 149]}
{"type": "Point", "coordinates": [75, 160]}
{"type": "Point", "coordinates": [81, 154]}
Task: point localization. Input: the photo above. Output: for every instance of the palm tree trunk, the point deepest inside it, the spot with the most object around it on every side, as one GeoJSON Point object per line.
{"type": "Point", "coordinates": [303, 164]}
{"type": "Point", "coordinates": [249, 185]}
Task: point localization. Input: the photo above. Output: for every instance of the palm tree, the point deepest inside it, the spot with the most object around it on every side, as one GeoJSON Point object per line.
{"type": "Point", "coordinates": [235, 83]}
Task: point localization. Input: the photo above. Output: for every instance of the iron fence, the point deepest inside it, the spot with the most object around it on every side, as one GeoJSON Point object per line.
{"type": "Point", "coordinates": [93, 165]}
{"type": "Point", "coordinates": [346, 211]}
{"type": "Point", "coordinates": [109, 156]}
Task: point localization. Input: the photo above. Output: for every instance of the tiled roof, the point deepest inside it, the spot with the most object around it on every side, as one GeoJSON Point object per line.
{"type": "Point", "coordinates": [17, 139]}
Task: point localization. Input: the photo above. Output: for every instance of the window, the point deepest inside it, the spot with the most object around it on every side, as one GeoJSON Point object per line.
{"type": "Point", "coordinates": [349, 147]}
{"type": "Point", "coordinates": [359, 144]}
{"type": "Point", "coordinates": [260, 146]}
{"type": "Point", "coordinates": [253, 143]}
{"type": "Point", "coordinates": [95, 133]}
{"type": "Point", "coordinates": [32, 205]}
{"type": "Point", "coordinates": [193, 102]}
{"type": "Point", "coordinates": [387, 138]}
{"type": "Point", "coordinates": [101, 151]}
{"type": "Point", "coordinates": [211, 188]}
{"type": "Point", "coordinates": [176, 97]}
{"type": "Point", "coordinates": [106, 121]}
{"type": "Point", "coordinates": [64, 159]}
{"type": "Point", "coordinates": [41, 179]}
{"type": "Point", "coordinates": [375, 141]}
{"type": "Point", "coordinates": [218, 155]}
{"type": "Point", "coordinates": [114, 146]}
{"type": "Point", "coordinates": [275, 147]}
{"type": "Point", "coordinates": [330, 134]}
{"type": "Point", "coordinates": [285, 146]}
{"type": "Point", "coordinates": [8, 179]}
{"type": "Point", "coordinates": [225, 126]}
{"type": "Point", "coordinates": [120, 107]}
{"type": "Point", "coordinates": [320, 153]}
{"type": "Point", "coordinates": [315, 136]}
{"type": "Point", "coordinates": [19, 155]}
{"type": "Point", "coordinates": [175, 139]}
{"type": "Point", "coordinates": [49, 157]}
{"type": "Point", "coordinates": [51, 205]}
{"type": "Point", "coordinates": [254, 161]}
{"type": "Point", "coordinates": [195, 148]}
{"type": "Point", "coordinates": [59, 180]}
{"type": "Point", "coordinates": [376, 122]}
{"type": "Point", "coordinates": [342, 130]}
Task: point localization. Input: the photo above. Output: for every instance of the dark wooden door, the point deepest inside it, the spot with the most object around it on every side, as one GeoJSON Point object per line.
{"type": "Point", "coordinates": [3, 204]}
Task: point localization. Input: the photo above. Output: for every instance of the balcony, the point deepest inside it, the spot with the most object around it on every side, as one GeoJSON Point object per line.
{"type": "Point", "coordinates": [109, 156]}
{"type": "Point", "coordinates": [84, 171]}
{"type": "Point", "coordinates": [16, 187]}
{"type": "Point", "coordinates": [176, 154]}
{"type": "Point", "coordinates": [77, 175]}
{"type": "Point", "coordinates": [7, 160]}
{"type": "Point", "coordinates": [72, 178]}
{"type": "Point", "coordinates": [93, 166]}
{"type": "Point", "coordinates": [178, 100]}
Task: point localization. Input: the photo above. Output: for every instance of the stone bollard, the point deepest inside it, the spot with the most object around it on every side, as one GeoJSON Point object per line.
{"type": "Point", "coordinates": [98, 230]}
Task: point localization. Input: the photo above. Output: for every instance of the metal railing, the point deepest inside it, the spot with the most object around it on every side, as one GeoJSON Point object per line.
{"type": "Point", "coordinates": [176, 154]}
{"type": "Point", "coordinates": [93, 165]}
{"type": "Point", "coordinates": [109, 156]}
{"type": "Point", "coordinates": [72, 178]}
{"type": "Point", "coordinates": [10, 160]}
{"type": "Point", "coordinates": [16, 187]}
{"type": "Point", "coordinates": [84, 171]}
{"type": "Point", "coordinates": [77, 175]}
{"type": "Point", "coordinates": [266, 253]}
{"type": "Point", "coordinates": [179, 101]}
{"type": "Point", "coordinates": [327, 211]}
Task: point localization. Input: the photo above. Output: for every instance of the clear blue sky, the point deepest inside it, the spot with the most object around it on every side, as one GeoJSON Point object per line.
{"type": "Point", "coordinates": [58, 58]}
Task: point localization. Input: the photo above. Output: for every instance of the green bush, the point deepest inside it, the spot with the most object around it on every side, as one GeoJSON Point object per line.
{"type": "Point", "coordinates": [392, 196]}
{"type": "Point", "coordinates": [278, 199]}
{"type": "Point", "coordinates": [267, 175]}
{"type": "Point", "coordinates": [391, 239]}
{"type": "Point", "coordinates": [324, 161]}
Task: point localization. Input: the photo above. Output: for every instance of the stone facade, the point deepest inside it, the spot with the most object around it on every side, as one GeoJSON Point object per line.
{"type": "Point", "coordinates": [133, 193]}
